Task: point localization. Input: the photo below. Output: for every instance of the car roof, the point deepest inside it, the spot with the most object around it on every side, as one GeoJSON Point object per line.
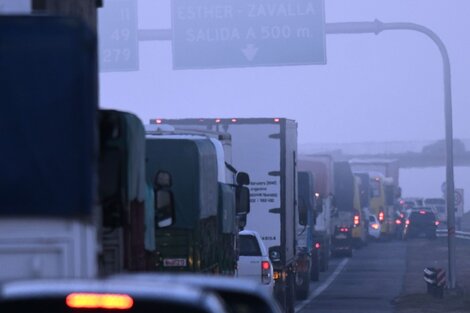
{"type": "Point", "coordinates": [203, 281]}
{"type": "Point", "coordinates": [163, 291]}
{"type": "Point", "coordinates": [218, 284]}
{"type": "Point", "coordinates": [248, 232]}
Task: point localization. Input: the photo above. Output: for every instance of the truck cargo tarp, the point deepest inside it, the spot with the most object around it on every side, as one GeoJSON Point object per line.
{"type": "Point", "coordinates": [193, 168]}
{"type": "Point", "coordinates": [136, 138]}
{"type": "Point", "coordinates": [47, 116]}
{"type": "Point", "coordinates": [344, 186]}
{"type": "Point", "coordinates": [227, 209]}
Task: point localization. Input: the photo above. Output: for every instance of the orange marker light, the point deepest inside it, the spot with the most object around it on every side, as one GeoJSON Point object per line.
{"type": "Point", "coordinates": [381, 216]}
{"type": "Point", "coordinates": [356, 220]}
{"type": "Point", "coordinates": [99, 301]}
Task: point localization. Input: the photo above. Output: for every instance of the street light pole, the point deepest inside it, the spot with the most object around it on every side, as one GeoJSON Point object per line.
{"type": "Point", "coordinates": [377, 27]}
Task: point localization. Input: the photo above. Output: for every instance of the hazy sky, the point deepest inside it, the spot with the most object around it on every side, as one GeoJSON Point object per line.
{"type": "Point", "coordinates": [373, 88]}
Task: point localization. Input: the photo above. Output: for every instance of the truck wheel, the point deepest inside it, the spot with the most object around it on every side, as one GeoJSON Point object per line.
{"type": "Point", "coordinates": [324, 262]}
{"type": "Point", "coordinates": [302, 285]}
{"type": "Point", "coordinates": [290, 293]}
{"type": "Point", "coordinates": [315, 273]}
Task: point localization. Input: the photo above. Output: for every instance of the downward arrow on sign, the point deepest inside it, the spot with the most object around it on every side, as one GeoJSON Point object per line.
{"type": "Point", "coordinates": [250, 52]}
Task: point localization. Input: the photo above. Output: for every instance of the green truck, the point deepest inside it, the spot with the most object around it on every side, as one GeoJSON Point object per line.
{"type": "Point", "coordinates": [208, 210]}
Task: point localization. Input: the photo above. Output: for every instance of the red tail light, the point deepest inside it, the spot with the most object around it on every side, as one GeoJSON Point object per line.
{"type": "Point", "coordinates": [344, 229]}
{"type": "Point", "coordinates": [407, 222]}
{"type": "Point", "coordinates": [99, 301]}
{"type": "Point", "coordinates": [317, 245]}
{"type": "Point", "coordinates": [265, 272]}
{"type": "Point", "coordinates": [437, 223]}
{"type": "Point", "coordinates": [265, 265]}
{"type": "Point", "coordinates": [381, 216]}
{"type": "Point", "coordinates": [398, 221]}
{"type": "Point", "coordinates": [422, 212]}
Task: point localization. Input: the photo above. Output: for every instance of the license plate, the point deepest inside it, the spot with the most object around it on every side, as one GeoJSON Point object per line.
{"type": "Point", "coordinates": [174, 262]}
{"type": "Point", "coordinates": [341, 236]}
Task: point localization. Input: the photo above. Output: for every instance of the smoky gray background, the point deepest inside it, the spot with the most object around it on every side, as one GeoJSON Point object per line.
{"type": "Point", "coordinates": [386, 87]}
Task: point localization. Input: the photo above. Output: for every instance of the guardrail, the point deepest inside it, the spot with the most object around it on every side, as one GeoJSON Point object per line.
{"type": "Point", "coordinates": [458, 234]}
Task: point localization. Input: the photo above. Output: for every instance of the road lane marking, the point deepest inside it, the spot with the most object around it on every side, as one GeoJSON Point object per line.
{"type": "Point", "coordinates": [323, 286]}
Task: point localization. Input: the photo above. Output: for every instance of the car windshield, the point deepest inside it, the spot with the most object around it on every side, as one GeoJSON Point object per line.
{"type": "Point", "coordinates": [422, 217]}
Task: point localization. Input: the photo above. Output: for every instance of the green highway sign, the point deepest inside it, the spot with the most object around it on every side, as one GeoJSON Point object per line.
{"type": "Point", "coordinates": [244, 33]}
{"type": "Point", "coordinates": [118, 42]}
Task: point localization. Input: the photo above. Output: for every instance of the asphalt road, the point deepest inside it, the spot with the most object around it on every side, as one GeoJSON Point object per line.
{"type": "Point", "coordinates": [367, 282]}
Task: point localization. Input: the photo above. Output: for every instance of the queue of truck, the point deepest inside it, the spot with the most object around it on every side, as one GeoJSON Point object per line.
{"type": "Point", "coordinates": [93, 193]}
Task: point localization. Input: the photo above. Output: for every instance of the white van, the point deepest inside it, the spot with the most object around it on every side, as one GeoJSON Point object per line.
{"type": "Point", "coordinates": [254, 262]}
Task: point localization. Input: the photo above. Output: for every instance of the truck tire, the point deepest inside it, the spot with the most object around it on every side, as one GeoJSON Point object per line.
{"type": "Point", "coordinates": [302, 285]}
{"type": "Point", "coordinates": [315, 273]}
{"type": "Point", "coordinates": [284, 292]}
{"type": "Point", "coordinates": [290, 293]}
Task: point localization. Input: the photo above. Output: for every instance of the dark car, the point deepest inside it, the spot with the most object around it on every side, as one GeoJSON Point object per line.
{"type": "Point", "coordinates": [101, 296]}
{"type": "Point", "coordinates": [240, 295]}
{"type": "Point", "coordinates": [420, 221]}
{"type": "Point", "coordinates": [341, 243]}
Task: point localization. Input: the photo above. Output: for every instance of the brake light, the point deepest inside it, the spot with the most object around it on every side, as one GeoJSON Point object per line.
{"type": "Point", "coordinates": [374, 226]}
{"type": "Point", "coordinates": [398, 221]}
{"type": "Point", "coordinates": [158, 121]}
{"type": "Point", "coordinates": [407, 222]}
{"type": "Point", "coordinates": [437, 223]}
{"type": "Point", "coordinates": [277, 120]}
{"type": "Point", "coordinates": [265, 272]}
{"type": "Point", "coordinates": [317, 245]}
{"type": "Point", "coordinates": [99, 301]}
{"type": "Point", "coordinates": [344, 229]}
{"type": "Point", "coordinates": [381, 216]}
{"type": "Point", "coordinates": [234, 120]}
{"type": "Point", "coordinates": [265, 265]}
{"type": "Point", "coordinates": [422, 212]}
{"type": "Point", "coordinates": [218, 120]}
{"type": "Point", "coordinates": [402, 215]}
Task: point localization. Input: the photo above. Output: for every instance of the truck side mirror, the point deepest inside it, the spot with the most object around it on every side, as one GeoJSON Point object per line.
{"type": "Point", "coordinates": [303, 214]}
{"type": "Point", "coordinates": [241, 222]}
{"type": "Point", "coordinates": [164, 205]}
{"type": "Point", "coordinates": [243, 179]}
{"type": "Point", "coordinates": [318, 204]}
{"type": "Point", "coordinates": [242, 195]}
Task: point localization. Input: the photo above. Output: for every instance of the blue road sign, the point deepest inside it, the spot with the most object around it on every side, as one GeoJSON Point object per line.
{"type": "Point", "coordinates": [118, 42]}
{"type": "Point", "coordinates": [243, 33]}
